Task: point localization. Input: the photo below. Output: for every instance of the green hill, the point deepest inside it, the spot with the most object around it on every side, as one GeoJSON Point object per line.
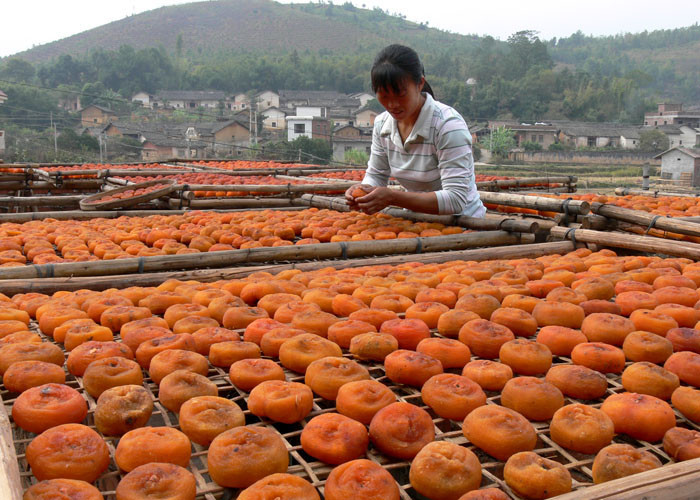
{"type": "Point", "coordinates": [208, 29]}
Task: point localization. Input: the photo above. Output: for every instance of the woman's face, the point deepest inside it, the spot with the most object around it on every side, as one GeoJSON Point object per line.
{"type": "Point", "coordinates": [405, 104]}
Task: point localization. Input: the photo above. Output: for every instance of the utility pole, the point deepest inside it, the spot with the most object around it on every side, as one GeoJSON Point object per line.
{"type": "Point", "coordinates": [55, 141]}
{"type": "Point", "coordinates": [255, 124]}
{"type": "Point", "coordinates": [99, 139]}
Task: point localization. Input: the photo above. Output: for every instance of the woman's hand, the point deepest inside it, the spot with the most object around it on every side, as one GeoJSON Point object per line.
{"type": "Point", "coordinates": [351, 190]}
{"type": "Point", "coordinates": [376, 200]}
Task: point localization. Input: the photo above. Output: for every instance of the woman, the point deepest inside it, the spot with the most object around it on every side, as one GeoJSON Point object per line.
{"type": "Point", "coordinates": [423, 143]}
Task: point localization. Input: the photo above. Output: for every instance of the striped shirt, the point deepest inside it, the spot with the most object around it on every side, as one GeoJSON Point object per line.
{"type": "Point", "coordinates": [437, 157]}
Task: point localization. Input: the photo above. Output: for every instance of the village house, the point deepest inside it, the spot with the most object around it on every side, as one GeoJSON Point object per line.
{"type": "Point", "coordinates": [241, 101]}
{"type": "Point", "coordinates": [681, 164]}
{"type": "Point", "coordinates": [93, 115]}
{"type": "Point", "coordinates": [189, 99]}
{"type": "Point", "coordinates": [144, 98]}
{"type": "Point", "coordinates": [159, 147]}
{"type": "Point", "coordinates": [596, 135]}
{"type": "Point", "coordinates": [350, 137]}
{"type": "Point", "coordinates": [273, 118]}
{"type": "Point", "coordinates": [312, 127]}
{"type": "Point", "coordinates": [69, 102]}
{"type": "Point", "coordinates": [267, 99]}
{"type": "Point", "coordinates": [363, 97]}
{"type": "Point", "coordinates": [325, 104]}
{"type": "Point", "coordinates": [364, 117]}
{"type": "Point", "coordinates": [544, 134]}
{"type": "Point", "coordinates": [680, 135]}
{"type": "Point", "coordinates": [3, 97]}
{"type": "Point", "coordinates": [672, 114]}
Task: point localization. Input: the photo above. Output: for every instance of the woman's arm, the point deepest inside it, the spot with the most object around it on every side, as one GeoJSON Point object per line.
{"type": "Point", "coordinates": [453, 143]}
{"type": "Point", "coordinates": [378, 169]}
{"type": "Point", "coordinates": [381, 197]}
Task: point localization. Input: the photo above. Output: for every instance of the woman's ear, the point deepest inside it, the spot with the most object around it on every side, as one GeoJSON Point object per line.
{"type": "Point", "coordinates": [421, 84]}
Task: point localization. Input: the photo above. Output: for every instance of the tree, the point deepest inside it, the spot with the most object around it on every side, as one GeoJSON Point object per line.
{"type": "Point", "coordinates": [317, 151]}
{"type": "Point", "coordinates": [18, 70]}
{"type": "Point", "coordinates": [356, 157]}
{"type": "Point", "coordinates": [178, 45]}
{"type": "Point", "coordinates": [531, 146]}
{"type": "Point", "coordinates": [70, 141]}
{"type": "Point", "coordinates": [653, 141]}
{"type": "Point", "coordinates": [501, 142]}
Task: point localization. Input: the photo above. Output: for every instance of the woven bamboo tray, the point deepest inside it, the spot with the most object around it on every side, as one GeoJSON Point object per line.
{"type": "Point", "coordinates": [93, 202]}
{"type": "Point", "coordinates": [678, 477]}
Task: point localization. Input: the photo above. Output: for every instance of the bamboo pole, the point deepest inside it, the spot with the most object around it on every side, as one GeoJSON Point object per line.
{"type": "Point", "coordinates": [345, 249]}
{"type": "Point", "coordinates": [526, 182]}
{"type": "Point", "coordinates": [475, 223]}
{"type": "Point", "coordinates": [124, 172]}
{"type": "Point", "coordinates": [631, 242]}
{"type": "Point", "coordinates": [646, 219]}
{"type": "Point", "coordinates": [574, 207]}
{"type": "Point", "coordinates": [652, 193]}
{"type": "Point", "coordinates": [275, 188]}
{"type": "Point", "coordinates": [41, 201]}
{"type": "Point", "coordinates": [7, 177]}
{"type": "Point", "coordinates": [223, 203]}
{"type": "Point", "coordinates": [52, 285]}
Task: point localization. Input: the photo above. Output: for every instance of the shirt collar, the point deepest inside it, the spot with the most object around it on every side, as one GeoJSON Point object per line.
{"type": "Point", "coordinates": [420, 128]}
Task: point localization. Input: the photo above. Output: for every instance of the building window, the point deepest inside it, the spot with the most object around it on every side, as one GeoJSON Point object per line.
{"type": "Point", "coordinates": [534, 138]}
{"type": "Point", "coordinates": [348, 148]}
{"type": "Point", "coordinates": [680, 143]}
{"type": "Point", "coordinates": [591, 141]}
{"type": "Point", "coordinates": [368, 150]}
{"type": "Point", "coordinates": [541, 138]}
{"type": "Point", "coordinates": [274, 124]}
{"type": "Point", "coordinates": [299, 128]}
{"type": "Point", "coordinates": [634, 142]}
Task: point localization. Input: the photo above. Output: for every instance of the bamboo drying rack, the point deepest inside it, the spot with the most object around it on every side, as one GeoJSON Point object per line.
{"type": "Point", "coordinates": [52, 285]}
{"type": "Point", "coordinates": [331, 250]}
{"type": "Point", "coordinates": [670, 482]}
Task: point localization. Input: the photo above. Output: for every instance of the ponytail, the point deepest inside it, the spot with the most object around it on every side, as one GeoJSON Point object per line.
{"type": "Point", "coordinates": [428, 89]}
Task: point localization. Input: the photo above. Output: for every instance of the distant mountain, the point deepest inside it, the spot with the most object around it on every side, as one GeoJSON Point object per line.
{"type": "Point", "coordinates": [210, 28]}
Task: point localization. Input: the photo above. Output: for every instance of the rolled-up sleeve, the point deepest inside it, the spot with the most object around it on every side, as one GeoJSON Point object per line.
{"type": "Point", "coordinates": [378, 170]}
{"type": "Point", "coordinates": [453, 143]}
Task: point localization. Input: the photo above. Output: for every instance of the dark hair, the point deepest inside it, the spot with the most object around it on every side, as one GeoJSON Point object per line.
{"type": "Point", "coordinates": [393, 65]}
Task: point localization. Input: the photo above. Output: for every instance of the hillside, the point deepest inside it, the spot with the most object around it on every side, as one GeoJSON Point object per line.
{"type": "Point", "coordinates": [208, 29]}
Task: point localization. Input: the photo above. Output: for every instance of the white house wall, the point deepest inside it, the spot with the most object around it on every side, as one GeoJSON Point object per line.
{"type": "Point", "coordinates": [674, 163]}
{"type": "Point", "coordinates": [687, 138]}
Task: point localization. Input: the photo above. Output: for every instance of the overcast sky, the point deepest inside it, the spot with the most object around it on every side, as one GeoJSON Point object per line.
{"type": "Point", "coordinates": [26, 23]}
